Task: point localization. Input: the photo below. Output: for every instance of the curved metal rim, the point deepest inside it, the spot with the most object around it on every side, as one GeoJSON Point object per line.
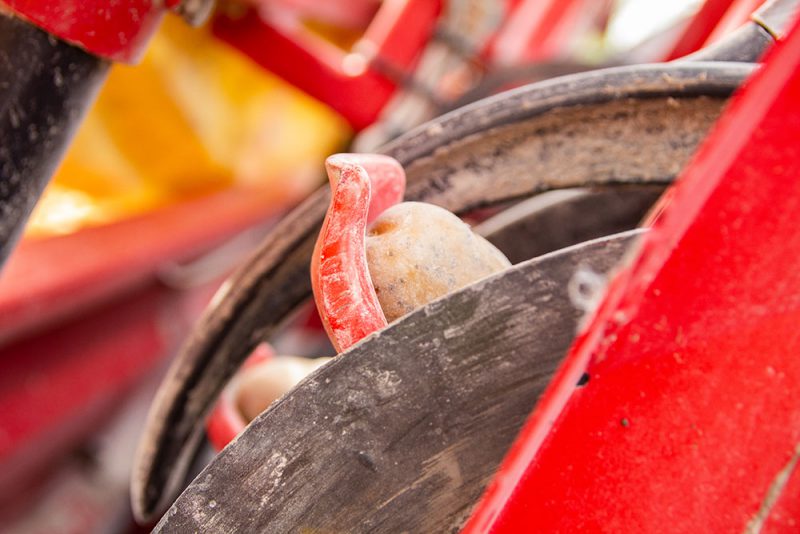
{"type": "Point", "coordinates": [594, 87]}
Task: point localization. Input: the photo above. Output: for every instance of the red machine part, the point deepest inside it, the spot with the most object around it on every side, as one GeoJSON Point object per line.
{"type": "Point", "coordinates": [738, 13]}
{"type": "Point", "coordinates": [114, 260]}
{"type": "Point", "coordinates": [226, 421]}
{"type": "Point", "coordinates": [114, 30]}
{"type": "Point", "coordinates": [537, 30]}
{"type": "Point", "coordinates": [363, 185]}
{"type": "Point", "coordinates": [360, 82]}
{"type": "Point", "coordinates": [676, 409]}
{"type": "Point", "coordinates": [700, 27]}
{"type": "Point", "coordinates": [351, 14]}
{"type": "Point", "coordinates": [55, 389]}
{"type": "Point", "coordinates": [354, 83]}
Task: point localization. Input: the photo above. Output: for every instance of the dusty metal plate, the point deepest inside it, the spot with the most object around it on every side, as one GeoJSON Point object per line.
{"type": "Point", "coordinates": [566, 217]}
{"type": "Point", "coordinates": [626, 125]}
{"type": "Point", "coordinates": [402, 432]}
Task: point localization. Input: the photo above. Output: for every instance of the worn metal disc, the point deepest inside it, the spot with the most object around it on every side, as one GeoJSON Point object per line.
{"type": "Point", "coordinates": [402, 432]}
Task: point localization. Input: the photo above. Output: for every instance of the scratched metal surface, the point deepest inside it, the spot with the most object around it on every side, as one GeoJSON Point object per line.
{"type": "Point", "coordinates": [402, 432]}
{"type": "Point", "coordinates": [558, 219]}
{"type": "Point", "coordinates": [627, 125]}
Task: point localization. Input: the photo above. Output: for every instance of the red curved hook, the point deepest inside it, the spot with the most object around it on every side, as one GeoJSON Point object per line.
{"type": "Point", "coordinates": [363, 185]}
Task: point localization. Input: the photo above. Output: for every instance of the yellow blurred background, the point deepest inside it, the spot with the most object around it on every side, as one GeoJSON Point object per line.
{"type": "Point", "coordinates": [193, 118]}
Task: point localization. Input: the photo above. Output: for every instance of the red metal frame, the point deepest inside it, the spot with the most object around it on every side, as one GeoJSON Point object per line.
{"type": "Point", "coordinates": [363, 186]}
{"type": "Point", "coordinates": [114, 30]}
{"type": "Point", "coordinates": [540, 30]}
{"type": "Point", "coordinates": [699, 28]}
{"type": "Point", "coordinates": [738, 13]}
{"type": "Point", "coordinates": [689, 420]}
{"type": "Point", "coordinates": [354, 83]}
{"type": "Point", "coordinates": [360, 82]}
{"type": "Point", "coordinates": [55, 389]}
{"type": "Point", "coordinates": [351, 14]}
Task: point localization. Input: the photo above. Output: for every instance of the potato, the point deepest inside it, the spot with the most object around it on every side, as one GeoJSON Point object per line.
{"type": "Point", "coordinates": [263, 384]}
{"type": "Point", "coordinates": [417, 252]}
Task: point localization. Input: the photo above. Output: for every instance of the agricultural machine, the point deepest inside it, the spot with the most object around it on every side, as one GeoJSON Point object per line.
{"type": "Point", "coordinates": [630, 368]}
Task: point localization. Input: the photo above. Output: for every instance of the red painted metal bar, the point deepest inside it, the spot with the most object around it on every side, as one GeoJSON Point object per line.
{"type": "Point", "coordinates": [114, 259]}
{"type": "Point", "coordinates": [699, 28]}
{"type": "Point", "coordinates": [354, 83]}
{"type": "Point", "coordinates": [113, 30]}
{"type": "Point", "coordinates": [115, 322]}
{"type": "Point", "coordinates": [54, 389]}
{"type": "Point", "coordinates": [737, 15]}
{"type": "Point", "coordinates": [351, 14]}
{"type": "Point", "coordinates": [537, 30]}
{"type": "Point", "coordinates": [687, 417]}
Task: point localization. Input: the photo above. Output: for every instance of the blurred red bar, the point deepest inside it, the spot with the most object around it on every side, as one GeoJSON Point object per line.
{"type": "Point", "coordinates": [541, 30]}
{"type": "Point", "coordinates": [699, 28]}
{"type": "Point", "coordinates": [56, 389]}
{"type": "Point", "coordinates": [354, 83]}
{"type": "Point", "coordinates": [47, 280]}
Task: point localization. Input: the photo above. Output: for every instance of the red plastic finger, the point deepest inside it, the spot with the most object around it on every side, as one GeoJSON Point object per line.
{"type": "Point", "coordinates": [363, 185]}
{"type": "Point", "coordinates": [387, 179]}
